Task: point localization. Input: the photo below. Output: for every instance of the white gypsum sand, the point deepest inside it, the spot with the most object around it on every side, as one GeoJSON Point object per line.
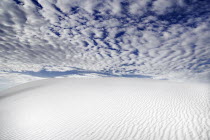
{"type": "Point", "coordinates": [105, 109]}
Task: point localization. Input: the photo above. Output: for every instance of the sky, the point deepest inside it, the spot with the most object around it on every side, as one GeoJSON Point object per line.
{"type": "Point", "coordinates": [157, 39]}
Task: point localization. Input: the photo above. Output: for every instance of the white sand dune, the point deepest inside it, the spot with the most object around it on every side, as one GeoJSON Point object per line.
{"type": "Point", "coordinates": [105, 109]}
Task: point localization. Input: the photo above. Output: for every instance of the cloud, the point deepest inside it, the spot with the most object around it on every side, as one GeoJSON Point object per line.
{"type": "Point", "coordinates": [154, 38]}
{"type": "Point", "coordinates": [165, 6]}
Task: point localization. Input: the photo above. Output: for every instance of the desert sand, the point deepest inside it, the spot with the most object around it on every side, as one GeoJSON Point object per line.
{"type": "Point", "coordinates": [105, 109]}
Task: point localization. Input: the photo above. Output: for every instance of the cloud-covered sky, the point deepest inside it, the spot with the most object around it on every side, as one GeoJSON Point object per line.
{"type": "Point", "coordinates": [162, 39]}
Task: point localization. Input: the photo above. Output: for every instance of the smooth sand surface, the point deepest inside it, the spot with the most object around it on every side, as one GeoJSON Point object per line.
{"type": "Point", "coordinates": [105, 109]}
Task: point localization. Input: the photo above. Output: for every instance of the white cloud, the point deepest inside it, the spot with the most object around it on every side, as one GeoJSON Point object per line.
{"type": "Point", "coordinates": [165, 6]}
{"type": "Point", "coordinates": [33, 38]}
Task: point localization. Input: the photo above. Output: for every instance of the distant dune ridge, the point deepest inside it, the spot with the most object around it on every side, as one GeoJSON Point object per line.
{"type": "Point", "coordinates": [105, 109]}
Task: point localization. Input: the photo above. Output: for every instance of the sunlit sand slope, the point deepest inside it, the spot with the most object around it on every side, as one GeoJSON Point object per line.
{"type": "Point", "coordinates": [105, 109]}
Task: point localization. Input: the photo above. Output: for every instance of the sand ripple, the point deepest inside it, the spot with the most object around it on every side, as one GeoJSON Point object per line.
{"type": "Point", "coordinates": [105, 109]}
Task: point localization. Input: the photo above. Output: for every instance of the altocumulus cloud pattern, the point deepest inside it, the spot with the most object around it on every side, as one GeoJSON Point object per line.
{"type": "Point", "coordinates": [163, 39]}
